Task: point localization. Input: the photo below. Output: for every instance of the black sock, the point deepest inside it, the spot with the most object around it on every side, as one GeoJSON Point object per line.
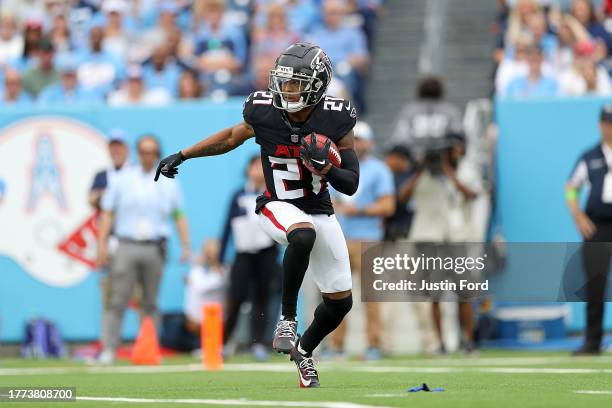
{"type": "Point", "coordinates": [295, 263]}
{"type": "Point", "coordinates": [327, 317]}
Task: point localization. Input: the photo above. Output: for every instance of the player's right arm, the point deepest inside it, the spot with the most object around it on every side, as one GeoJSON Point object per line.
{"type": "Point", "coordinates": [218, 143]}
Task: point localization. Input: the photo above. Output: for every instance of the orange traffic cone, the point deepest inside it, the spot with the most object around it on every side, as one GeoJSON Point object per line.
{"type": "Point", "coordinates": [146, 349]}
{"type": "Point", "coordinates": [212, 336]}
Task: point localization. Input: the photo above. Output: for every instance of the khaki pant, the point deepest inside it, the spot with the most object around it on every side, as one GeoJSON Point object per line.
{"type": "Point", "coordinates": [133, 264]}
{"type": "Point", "coordinates": [373, 325]}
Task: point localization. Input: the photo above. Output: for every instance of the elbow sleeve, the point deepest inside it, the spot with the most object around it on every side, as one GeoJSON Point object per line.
{"type": "Point", "coordinates": [346, 178]}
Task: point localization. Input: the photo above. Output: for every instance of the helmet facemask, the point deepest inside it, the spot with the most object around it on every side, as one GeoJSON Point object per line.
{"type": "Point", "coordinates": [293, 91]}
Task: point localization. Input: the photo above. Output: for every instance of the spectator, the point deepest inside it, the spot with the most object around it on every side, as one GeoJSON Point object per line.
{"type": "Point", "coordinates": [570, 33]}
{"type": "Point", "coordinates": [24, 9]}
{"type": "Point", "coordinates": [399, 161]}
{"type": "Point", "coordinates": [582, 10]}
{"type": "Point", "coordinates": [32, 37]}
{"type": "Point", "coordinates": [206, 283]}
{"type": "Point", "coordinates": [361, 217]}
{"type": "Point", "coordinates": [430, 117]}
{"type": "Point", "coordinates": [538, 29]}
{"type": "Point", "coordinates": [60, 34]}
{"type": "Point", "coordinates": [259, 76]}
{"type": "Point", "coordinates": [466, 185]}
{"type": "Point", "coordinates": [166, 22]}
{"type": "Point", "coordinates": [220, 45]}
{"type": "Point", "coordinates": [137, 209]}
{"type": "Point", "coordinates": [585, 76]}
{"type": "Point", "coordinates": [275, 37]}
{"type": "Point", "coordinates": [535, 84]}
{"type": "Point", "coordinates": [99, 70]}
{"type": "Point", "coordinates": [516, 65]}
{"type": "Point", "coordinates": [161, 72]}
{"type": "Point", "coordinates": [516, 25]}
{"type": "Point", "coordinates": [13, 93]}
{"type": "Point", "coordinates": [68, 90]}
{"type": "Point", "coordinates": [133, 91]}
{"type": "Point", "coordinates": [118, 151]}
{"type": "Point", "coordinates": [301, 15]}
{"type": "Point", "coordinates": [44, 73]}
{"type": "Point", "coordinates": [116, 39]}
{"type": "Point", "coordinates": [11, 42]}
{"type": "Point", "coordinates": [189, 87]}
{"type": "Point", "coordinates": [442, 197]}
{"type": "Point", "coordinates": [180, 50]}
{"type": "Point", "coordinates": [369, 11]}
{"type": "Point", "coordinates": [345, 46]}
{"type": "Point", "coordinates": [255, 264]}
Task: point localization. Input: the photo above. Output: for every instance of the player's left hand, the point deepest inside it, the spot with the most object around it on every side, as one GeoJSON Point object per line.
{"type": "Point", "coordinates": [168, 166]}
{"type": "Point", "coordinates": [318, 157]}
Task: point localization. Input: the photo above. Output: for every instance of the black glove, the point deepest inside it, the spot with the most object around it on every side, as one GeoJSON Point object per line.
{"type": "Point", "coordinates": [311, 153]}
{"type": "Point", "coordinates": [168, 166]}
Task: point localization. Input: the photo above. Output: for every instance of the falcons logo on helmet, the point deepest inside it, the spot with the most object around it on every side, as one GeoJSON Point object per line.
{"type": "Point", "coordinates": [321, 62]}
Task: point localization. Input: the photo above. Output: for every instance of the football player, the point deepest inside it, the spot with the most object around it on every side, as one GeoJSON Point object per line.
{"type": "Point", "coordinates": [295, 209]}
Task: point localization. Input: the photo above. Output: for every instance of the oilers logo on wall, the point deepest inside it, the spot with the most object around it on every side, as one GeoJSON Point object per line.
{"type": "Point", "coordinates": [47, 226]}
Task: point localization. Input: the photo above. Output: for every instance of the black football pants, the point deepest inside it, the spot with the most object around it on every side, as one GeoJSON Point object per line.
{"type": "Point", "coordinates": [251, 278]}
{"type": "Point", "coordinates": [596, 254]}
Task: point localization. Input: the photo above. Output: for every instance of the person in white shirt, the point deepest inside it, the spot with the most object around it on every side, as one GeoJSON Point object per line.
{"type": "Point", "coordinates": [206, 283]}
{"type": "Point", "coordinates": [11, 42]}
{"type": "Point", "coordinates": [443, 200]}
{"type": "Point", "coordinates": [134, 92]}
{"type": "Point", "coordinates": [585, 76]}
{"type": "Point", "coordinates": [515, 67]}
{"type": "Point", "coordinates": [138, 210]}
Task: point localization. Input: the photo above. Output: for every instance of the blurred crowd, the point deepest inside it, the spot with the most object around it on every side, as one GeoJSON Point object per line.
{"type": "Point", "coordinates": [155, 51]}
{"type": "Point", "coordinates": [548, 48]}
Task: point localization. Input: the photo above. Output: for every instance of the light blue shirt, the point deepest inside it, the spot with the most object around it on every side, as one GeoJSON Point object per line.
{"type": "Point", "coordinates": [229, 36]}
{"type": "Point", "coordinates": [142, 207]}
{"type": "Point", "coordinates": [339, 44]}
{"type": "Point", "coordinates": [168, 78]}
{"type": "Point", "coordinates": [522, 87]}
{"type": "Point", "coordinates": [99, 71]}
{"type": "Point", "coordinates": [375, 181]}
{"type": "Point", "coordinates": [23, 100]}
{"type": "Point", "coordinates": [56, 93]}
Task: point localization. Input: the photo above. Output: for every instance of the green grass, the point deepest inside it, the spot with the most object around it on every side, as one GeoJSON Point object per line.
{"type": "Point", "coordinates": [469, 382]}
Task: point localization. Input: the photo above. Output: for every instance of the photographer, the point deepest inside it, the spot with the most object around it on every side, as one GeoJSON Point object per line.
{"type": "Point", "coordinates": [427, 119]}
{"type": "Point", "coordinates": [443, 190]}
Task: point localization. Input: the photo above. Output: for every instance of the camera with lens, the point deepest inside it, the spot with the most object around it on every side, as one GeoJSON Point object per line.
{"type": "Point", "coordinates": [431, 151]}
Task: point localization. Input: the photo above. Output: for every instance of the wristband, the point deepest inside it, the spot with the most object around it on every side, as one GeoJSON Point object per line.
{"type": "Point", "coordinates": [571, 194]}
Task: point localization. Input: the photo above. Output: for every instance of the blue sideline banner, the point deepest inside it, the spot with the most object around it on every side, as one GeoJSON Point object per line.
{"type": "Point", "coordinates": [47, 163]}
{"type": "Point", "coordinates": [538, 146]}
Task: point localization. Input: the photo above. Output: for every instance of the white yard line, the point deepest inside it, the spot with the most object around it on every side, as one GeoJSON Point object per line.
{"type": "Point", "coordinates": [235, 402]}
{"type": "Point", "coordinates": [593, 392]}
{"type": "Point", "coordinates": [505, 361]}
{"type": "Point", "coordinates": [101, 370]}
{"type": "Point", "coordinates": [287, 367]}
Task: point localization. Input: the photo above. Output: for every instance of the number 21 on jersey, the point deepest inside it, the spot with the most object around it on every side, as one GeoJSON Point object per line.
{"type": "Point", "coordinates": [293, 172]}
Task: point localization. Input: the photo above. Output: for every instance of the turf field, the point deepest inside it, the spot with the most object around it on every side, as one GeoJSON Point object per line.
{"type": "Point", "coordinates": [494, 379]}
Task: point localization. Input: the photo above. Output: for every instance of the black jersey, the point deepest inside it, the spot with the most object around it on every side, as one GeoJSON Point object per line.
{"type": "Point", "coordinates": [286, 178]}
